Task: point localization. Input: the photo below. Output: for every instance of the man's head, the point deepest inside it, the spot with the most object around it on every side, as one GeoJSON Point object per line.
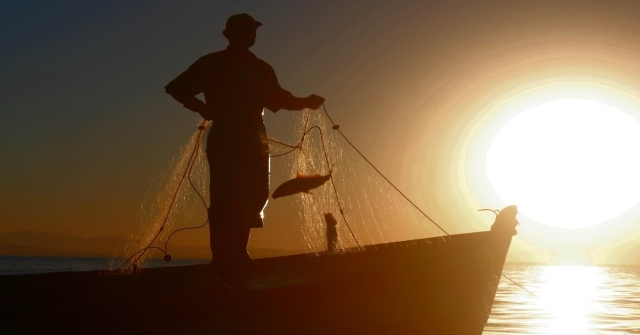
{"type": "Point", "coordinates": [241, 31]}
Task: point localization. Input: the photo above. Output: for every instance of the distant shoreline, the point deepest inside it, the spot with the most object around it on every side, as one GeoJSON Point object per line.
{"type": "Point", "coordinates": [47, 244]}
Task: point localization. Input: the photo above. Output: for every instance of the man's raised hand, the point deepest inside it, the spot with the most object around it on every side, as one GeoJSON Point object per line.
{"type": "Point", "coordinates": [314, 101]}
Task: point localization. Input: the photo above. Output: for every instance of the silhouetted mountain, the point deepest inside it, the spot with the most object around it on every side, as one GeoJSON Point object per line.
{"type": "Point", "coordinates": [104, 245]}
{"type": "Point", "coordinates": [18, 250]}
{"type": "Point", "coordinates": [30, 243]}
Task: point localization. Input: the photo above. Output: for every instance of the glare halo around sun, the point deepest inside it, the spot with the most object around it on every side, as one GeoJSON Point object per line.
{"type": "Point", "coordinates": [570, 163]}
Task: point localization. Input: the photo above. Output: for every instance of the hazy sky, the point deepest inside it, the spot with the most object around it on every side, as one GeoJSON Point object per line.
{"type": "Point", "coordinates": [85, 125]}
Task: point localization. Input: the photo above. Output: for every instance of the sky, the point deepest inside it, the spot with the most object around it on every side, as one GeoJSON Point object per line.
{"type": "Point", "coordinates": [86, 128]}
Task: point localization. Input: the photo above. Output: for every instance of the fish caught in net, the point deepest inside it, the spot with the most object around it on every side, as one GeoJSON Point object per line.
{"type": "Point", "coordinates": [375, 213]}
{"type": "Point", "coordinates": [367, 210]}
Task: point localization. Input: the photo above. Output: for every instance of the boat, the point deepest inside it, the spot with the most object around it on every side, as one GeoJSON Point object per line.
{"type": "Point", "coordinates": [439, 285]}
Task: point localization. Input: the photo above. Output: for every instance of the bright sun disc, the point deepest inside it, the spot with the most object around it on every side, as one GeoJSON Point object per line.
{"type": "Point", "coordinates": [569, 163]}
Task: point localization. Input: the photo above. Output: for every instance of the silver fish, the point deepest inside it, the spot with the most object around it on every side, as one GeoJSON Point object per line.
{"type": "Point", "coordinates": [302, 183]}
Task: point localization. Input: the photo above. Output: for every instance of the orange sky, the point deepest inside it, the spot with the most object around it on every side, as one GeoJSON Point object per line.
{"type": "Point", "coordinates": [86, 127]}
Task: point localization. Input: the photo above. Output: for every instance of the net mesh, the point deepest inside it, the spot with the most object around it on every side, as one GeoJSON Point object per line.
{"type": "Point", "coordinates": [373, 210]}
{"type": "Point", "coordinates": [368, 210]}
{"type": "Point", "coordinates": [171, 202]}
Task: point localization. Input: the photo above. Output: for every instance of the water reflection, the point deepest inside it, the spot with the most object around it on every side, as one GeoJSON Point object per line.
{"type": "Point", "coordinates": [570, 300]}
{"type": "Point", "coordinates": [568, 294]}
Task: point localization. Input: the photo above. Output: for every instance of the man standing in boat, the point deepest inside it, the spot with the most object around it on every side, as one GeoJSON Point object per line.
{"type": "Point", "coordinates": [237, 86]}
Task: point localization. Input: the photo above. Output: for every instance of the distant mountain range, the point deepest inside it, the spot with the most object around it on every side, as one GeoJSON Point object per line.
{"type": "Point", "coordinates": [30, 243]}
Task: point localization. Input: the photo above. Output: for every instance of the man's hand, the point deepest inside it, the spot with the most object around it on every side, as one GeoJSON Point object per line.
{"type": "Point", "coordinates": [205, 112]}
{"type": "Point", "coordinates": [313, 101]}
{"type": "Point", "coordinates": [195, 105]}
{"type": "Point", "coordinates": [202, 109]}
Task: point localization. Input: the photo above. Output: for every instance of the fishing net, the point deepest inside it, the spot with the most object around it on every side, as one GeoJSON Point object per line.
{"type": "Point", "coordinates": [369, 210]}
{"type": "Point", "coordinates": [171, 203]}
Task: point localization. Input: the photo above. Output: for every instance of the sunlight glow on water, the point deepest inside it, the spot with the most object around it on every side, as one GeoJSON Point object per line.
{"type": "Point", "coordinates": [571, 300]}
{"type": "Point", "coordinates": [568, 294]}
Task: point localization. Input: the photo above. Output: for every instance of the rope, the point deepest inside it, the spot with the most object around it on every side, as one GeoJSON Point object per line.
{"type": "Point", "coordinates": [535, 296]}
{"type": "Point", "coordinates": [204, 202]}
{"type": "Point", "coordinates": [191, 160]}
{"type": "Point", "coordinates": [293, 148]}
{"type": "Point", "coordinates": [336, 127]}
{"type": "Point", "coordinates": [187, 173]}
{"type": "Point", "coordinates": [335, 191]}
{"type": "Point", "coordinates": [326, 157]}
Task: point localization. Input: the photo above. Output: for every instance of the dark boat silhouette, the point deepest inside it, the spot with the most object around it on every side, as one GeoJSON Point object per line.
{"type": "Point", "coordinates": [441, 285]}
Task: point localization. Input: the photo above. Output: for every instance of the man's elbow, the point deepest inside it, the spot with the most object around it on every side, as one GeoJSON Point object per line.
{"type": "Point", "coordinates": [171, 91]}
{"type": "Point", "coordinates": [176, 95]}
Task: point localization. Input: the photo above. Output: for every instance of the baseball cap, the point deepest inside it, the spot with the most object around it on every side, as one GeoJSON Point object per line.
{"type": "Point", "coordinates": [243, 20]}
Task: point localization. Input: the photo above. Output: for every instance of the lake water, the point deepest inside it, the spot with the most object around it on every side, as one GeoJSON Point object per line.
{"type": "Point", "coordinates": [17, 265]}
{"type": "Point", "coordinates": [569, 300]}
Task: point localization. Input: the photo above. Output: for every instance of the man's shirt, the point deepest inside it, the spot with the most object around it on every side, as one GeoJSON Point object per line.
{"type": "Point", "coordinates": [236, 85]}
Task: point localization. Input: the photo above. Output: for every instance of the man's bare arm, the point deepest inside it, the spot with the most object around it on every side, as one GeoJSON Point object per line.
{"type": "Point", "coordinates": [295, 103]}
{"type": "Point", "coordinates": [281, 98]}
{"type": "Point", "coordinates": [187, 86]}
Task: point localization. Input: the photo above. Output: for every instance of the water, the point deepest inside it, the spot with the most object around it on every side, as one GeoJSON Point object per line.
{"type": "Point", "coordinates": [17, 265]}
{"type": "Point", "coordinates": [570, 300]}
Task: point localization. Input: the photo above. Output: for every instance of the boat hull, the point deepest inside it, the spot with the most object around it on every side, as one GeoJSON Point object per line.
{"type": "Point", "coordinates": [429, 286]}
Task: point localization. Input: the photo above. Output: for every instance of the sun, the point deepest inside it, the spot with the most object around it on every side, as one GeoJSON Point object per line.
{"type": "Point", "coordinates": [569, 163]}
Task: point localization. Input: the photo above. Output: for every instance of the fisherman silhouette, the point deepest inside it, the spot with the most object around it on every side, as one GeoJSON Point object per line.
{"type": "Point", "coordinates": [237, 86]}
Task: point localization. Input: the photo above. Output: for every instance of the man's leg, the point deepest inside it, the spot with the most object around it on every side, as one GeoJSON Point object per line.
{"type": "Point", "coordinates": [236, 244]}
{"type": "Point", "coordinates": [229, 245]}
{"type": "Point", "coordinates": [217, 241]}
